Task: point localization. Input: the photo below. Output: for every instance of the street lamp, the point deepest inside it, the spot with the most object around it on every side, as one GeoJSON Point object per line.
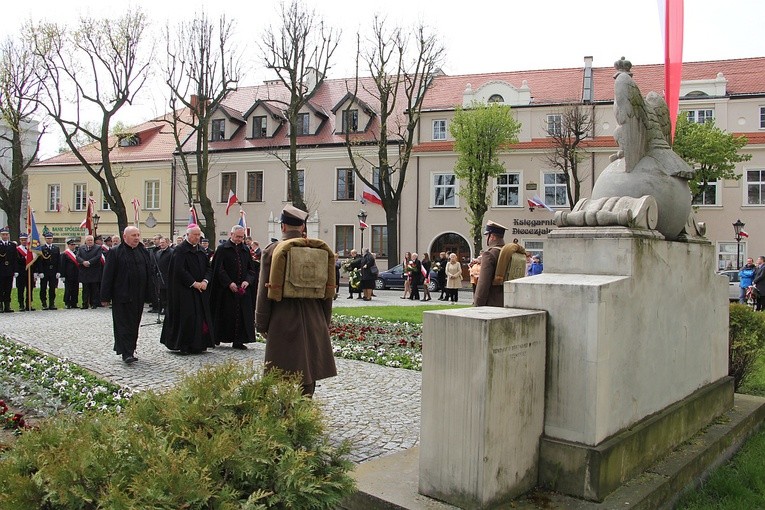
{"type": "Point", "coordinates": [362, 225]}
{"type": "Point", "coordinates": [737, 228]}
{"type": "Point", "coordinates": [96, 219]}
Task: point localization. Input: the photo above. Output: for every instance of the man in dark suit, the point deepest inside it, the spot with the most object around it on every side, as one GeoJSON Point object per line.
{"type": "Point", "coordinates": [759, 283]}
{"type": "Point", "coordinates": [47, 266]}
{"type": "Point", "coordinates": [24, 276]}
{"type": "Point", "coordinates": [8, 267]}
{"type": "Point", "coordinates": [89, 257]}
{"type": "Point", "coordinates": [162, 257]}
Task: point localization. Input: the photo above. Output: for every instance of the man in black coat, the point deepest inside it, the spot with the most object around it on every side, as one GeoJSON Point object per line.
{"type": "Point", "coordinates": [125, 281]}
{"type": "Point", "coordinates": [8, 265]}
{"type": "Point", "coordinates": [188, 325]}
{"type": "Point", "coordinates": [759, 283]}
{"type": "Point", "coordinates": [162, 256]}
{"type": "Point", "coordinates": [89, 257]}
{"type": "Point", "coordinates": [46, 266]}
{"type": "Point", "coordinates": [24, 277]}
{"type": "Point", "coordinates": [70, 272]}
{"type": "Point", "coordinates": [233, 280]}
{"type": "Point", "coordinates": [417, 278]}
{"type": "Point", "coordinates": [442, 275]}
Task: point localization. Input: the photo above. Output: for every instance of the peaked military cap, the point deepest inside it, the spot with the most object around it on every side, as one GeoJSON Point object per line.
{"type": "Point", "coordinates": [291, 215]}
{"type": "Point", "coordinates": [23, 235]}
{"type": "Point", "coordinates": [494, 228]}
{"type": "Point", "coordinates": [48, 235]}
{"type": "Point", "coordinates": [71, 241]}
{"type": "Point", "coordinates": [5, 230]}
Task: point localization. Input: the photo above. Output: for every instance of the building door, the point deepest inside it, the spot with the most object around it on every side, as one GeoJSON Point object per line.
{"type": "Point", "coordinates": [452, 243]}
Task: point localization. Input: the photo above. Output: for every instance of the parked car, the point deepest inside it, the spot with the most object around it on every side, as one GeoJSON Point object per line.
{"type": "Point", "coordinates": [393, 278]}
{"type": "Point", "coordinates": [733, 284]}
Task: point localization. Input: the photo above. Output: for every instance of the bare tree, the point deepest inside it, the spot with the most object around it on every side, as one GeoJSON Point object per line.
{"type": "Point", "coordinates": [402, 68]}
{"type": "Point", "coordinates": [300, 54]}
{"type": "Point", "coordinates": [19, 82]}
{"type": "Point", "coordinates": [202, 67]}
{"type": "Point", "coordinates": [576, 124]}
{"type": "Point", "coordinates": [94, 69]}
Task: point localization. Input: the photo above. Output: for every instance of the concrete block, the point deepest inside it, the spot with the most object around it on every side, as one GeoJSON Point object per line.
{"type": "Point", "coordinates": [482, 404]}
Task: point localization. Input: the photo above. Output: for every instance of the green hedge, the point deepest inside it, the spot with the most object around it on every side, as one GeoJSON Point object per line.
{"type": "Point", "coordinates": [746, 338]}
{"type": "Point", "coordinates": [225, 438]}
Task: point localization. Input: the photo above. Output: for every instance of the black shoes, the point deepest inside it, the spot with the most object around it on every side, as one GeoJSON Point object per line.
{"type": "Point", "coordinates": [129, 358]}
{"type": "Point", "coordinates": [52, 308]}
{"type": "Point", "coordinates": [241, 347]}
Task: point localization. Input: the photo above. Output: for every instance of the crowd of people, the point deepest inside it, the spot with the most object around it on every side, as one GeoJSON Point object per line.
{"type": "Point", "coordinates": [751, 279]}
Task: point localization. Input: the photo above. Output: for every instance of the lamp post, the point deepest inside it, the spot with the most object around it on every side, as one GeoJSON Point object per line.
{"type": "Point", "coordinates": [96, 219]}
{"type": "Point", "coordinates": [737, 228]}
{"type": "Point", "coordinates": [362, 225]}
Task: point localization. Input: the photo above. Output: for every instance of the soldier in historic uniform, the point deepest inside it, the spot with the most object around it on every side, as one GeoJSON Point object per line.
{"type": "Point", "coordinates": [46, 266]}
{"type": "Point", "coordinates": [296, 329]}
{"type": "Point", "coordinates": [24, 275]}
{"type": "Point", "coordinates": [7, 268]}
{"type": "Point", "coordinates": [70, 272]}
{"type": "Point", "coordinates": [489, 291]}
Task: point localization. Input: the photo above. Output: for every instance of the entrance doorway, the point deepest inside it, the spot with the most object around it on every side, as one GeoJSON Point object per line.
{"type": "Point", "coordinates": [452, 243]}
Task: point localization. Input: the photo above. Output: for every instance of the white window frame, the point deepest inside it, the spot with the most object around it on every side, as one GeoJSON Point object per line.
{"type": "Point", "coordinates": [80, 196]}
{"type": "Point", "coordinates": [715, 190]}
{"type": "Point", "coordinates": [517, 187]}
{"type": "Point", "coordinates": [342, 251]}
{"type": "Point", "coordinates": [151, 203]}
{"type": "Point", "coordinates": [301, 183]}
{"type": "Point", "coordinates": [559, 183]}
{"type": "Point", "coordinates": [217, 135]}
{"type": "Point", "coordinates": [303, 124]}
{"type": "Point", "coordinates": [104, 203]}
{"type": "Point", "coordinates": [554, 124]}
{"type": "Point", "coordinates": [350, 120]}
{"type": "Point", "coordinates": [439, 129]}
{"type": "Point", "coordinates": [700, 115]}
{"type": "Point", "coordinates": [535, 247]}
{"type": "Point", "coordinates": [350, 184]}
{"type": "Point", "coordinates": [262, 185]}
{"type": "Point", "coordinates": [373, 242]}
{"type": "Point", "coordinates": [436, 186]}
{"type": "Point", "coordinates": [54, 197]}
{"type": "Point", "coordinates": [759, 185]}
{"type": "Point", "coordinates": [726, 254]}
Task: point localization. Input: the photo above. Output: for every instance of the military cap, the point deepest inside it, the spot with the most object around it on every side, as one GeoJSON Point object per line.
{"type": "Point", "coordinates": [23, 235]}
{"type": "Point", "coordinates": [71, 241]}
{"type": "Point", "coordinates": [291, 215]}
{"type": "Point", "coordinates": [5, 230]}
{"type": "Point", "coordinates": [495, 228]}
{"type": "Point", "coordinates": [204, 240]}
{"type": "Point", "coordinates": [273, 239]}
{"type": "Point", "coordinates": [48, 235]}
{"type": "Point", "coordinates": [98, 238]}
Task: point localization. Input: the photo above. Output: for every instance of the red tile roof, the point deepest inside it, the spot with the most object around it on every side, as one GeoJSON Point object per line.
{"type": "Point", "coordinates": [157, 144]}
{"type": "Point", "coordinates": [745, 76]}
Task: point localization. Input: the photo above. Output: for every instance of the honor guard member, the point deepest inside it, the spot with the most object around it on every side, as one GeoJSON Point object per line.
{"type": "Point", "coordinates": [294, 302]}
{"type": "Point", "coordinates": [24, 276]}
{"type": "Point", "coordinates": [8, 266]}
{"type": "Point", "coordinates": [46, 266]}
{"type": "Point", "coordinates": [70, 272]}
{"type": "Point", "coordinates": [499, 263]}
{"type": "Point", "coordinates": [204, 247]}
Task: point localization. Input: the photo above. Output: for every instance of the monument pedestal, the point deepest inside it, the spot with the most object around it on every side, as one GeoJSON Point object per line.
{"type": "Point", "coordinates": [635, 326]}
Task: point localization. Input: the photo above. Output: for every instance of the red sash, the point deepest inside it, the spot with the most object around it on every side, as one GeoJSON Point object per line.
{"type": "Point", "coordinates": [69, 253]}
{"type": "Point", "coordinates": [22, 251]}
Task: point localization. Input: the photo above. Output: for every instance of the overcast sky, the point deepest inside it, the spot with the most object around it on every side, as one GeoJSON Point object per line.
{"type": "Point", "coordinates": [479, 36]}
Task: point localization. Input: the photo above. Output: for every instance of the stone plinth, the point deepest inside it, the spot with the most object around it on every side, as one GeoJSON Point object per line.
{"type": "Point", "coordinates": [482, 404]}
{"type": "Point", "coordinates": [636, 324]}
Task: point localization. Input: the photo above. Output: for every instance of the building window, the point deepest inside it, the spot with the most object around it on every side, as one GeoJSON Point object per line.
{"type": "Point", "coordinates": [104, 202]}
{"type": "Point", "coordinates": [259, 127]}
{"type": "Point", "coordinates": [762, 117]}
{"type": "Point", "coordinates": [508, 189]}
{"type": "Point", "coordinates": [303, 124]}
{"type": "Point", "coordinates": [755, 187]}
{"type": "Point", "coordinates": [350, 121]}
{"type": "Point", "coordinates": [726, 255]}
{"type": "Point", "coordinates": [218, 130]}
{"type": "Point", "coordinates": [699, 116]}
{"type": "Point", "coordinates": [301, 183]}
{"type": "Point", "coordinates": [496, 98]}
{"type": "Point", "coordinates": [708, 197]}
{"type": "Point", "coordinates": [193, 193]}
{"type": "Point", "coordinates": [227, 184]}
{"type": "Point", "coordinates": [255, 186]}
{"type": "Point", "coordinates": [439, 129]}
{"type": "Point", "coordinates": [379, 241]}
{"type": "Point", "coordinates": [535, 248]}
{"type": "Point", "coordinates": [54, 197]}
{"type": "Point", "coordinates": [80, 197]}
{"type": "Point", "coordinates": [343, 240]}
{"type": "Point", "coordinates": [555, 189]}
{"type": "Point", "coordinates": [129, 140]}
{"type": "Point", "coordinates": [151, 195]}
{"type": "Point", "coordinates": [554, 124]}
{"type": "Point", "coordinates": [444, 190]}
{"type": "Point", "coordinates": [346, 184]}
{"type": "Point", "coordinates": [376, 177]}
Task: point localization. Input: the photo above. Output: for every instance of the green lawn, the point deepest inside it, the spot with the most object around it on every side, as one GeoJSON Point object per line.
{"type": "Point", "coordinates": [36, 297]}
{"type": "Point", "coordinates": [410, 314]}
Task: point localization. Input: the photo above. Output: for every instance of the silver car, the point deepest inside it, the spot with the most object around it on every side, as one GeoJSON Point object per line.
{"type": "Point", "coordinates": [734, 291]}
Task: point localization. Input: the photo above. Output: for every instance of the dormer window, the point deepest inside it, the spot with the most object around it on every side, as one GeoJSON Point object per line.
{"type": "Point", "coordinates": [259, 127]}
{"type": "Point", "coordinates": [350, 121]}
{"type": "Point", "coordinates": [496, 98]}
{"type": "Point", "coordinates": [129, 140]}
{"type": "Point", "coordinates": [303, 124]}
{"type": "Point", "coordinates": [218, 130]}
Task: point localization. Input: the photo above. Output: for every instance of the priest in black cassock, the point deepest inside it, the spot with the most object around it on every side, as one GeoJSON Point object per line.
{"type": "Point", "coordinates": [188, 327]}
{"type": "Point", "coordinates": [231, 299]}
{"type": "Point", "coordinates": [125, 282]}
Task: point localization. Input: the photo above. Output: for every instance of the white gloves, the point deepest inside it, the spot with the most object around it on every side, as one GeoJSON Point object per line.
{"type": "Point", "coordinates": [15, 275]}
{"type": "Point", "coordinates": [58, 275]}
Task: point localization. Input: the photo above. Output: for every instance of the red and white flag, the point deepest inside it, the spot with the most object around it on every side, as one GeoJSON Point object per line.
{"type": "Point", "coordinates": [231, 200]}
{"type": "Point", "coordinates": [370, 195]}
{"type": "Point", "coordinates": [535, 202]}
{"type": "Point", "coordinates": [87, 223]}
{"type": "Point", "coordinates": [193, 220]}
{"type": "Point", "coordinates": [671, 19]}
{"type": "Point", "coordinates": [363, 224]}
{"type": "Point", "coordinates": [136, 207]}
{"type": "Point", "coordinates": [743, 234]}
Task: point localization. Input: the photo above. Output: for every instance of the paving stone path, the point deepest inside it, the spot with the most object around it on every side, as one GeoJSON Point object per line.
{"type": "Point", "coordinates": [376, 408]}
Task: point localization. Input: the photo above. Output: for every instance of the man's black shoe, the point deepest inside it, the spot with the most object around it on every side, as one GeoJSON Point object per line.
{"type": "Point", "coordinates": [350, 297]}
{"type": "Point", "coordinates": [240, 346]}
{"type": "Point", "coordinates": [130, 359]}
{"type": "Point", "coordinates": [52, 308]}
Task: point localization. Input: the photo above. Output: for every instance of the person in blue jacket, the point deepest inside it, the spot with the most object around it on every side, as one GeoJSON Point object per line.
{"type": "Point", "coordinates": [536, 266]}
{"type": "Point", "coordinates": [745, 277]}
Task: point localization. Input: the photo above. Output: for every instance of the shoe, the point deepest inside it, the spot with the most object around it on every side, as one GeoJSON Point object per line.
{"type": "Point", "coordinates": [404, 297]}
{"type": "Point", "coordinates": [84, 307]}
{"type": "Point", "coordinates": [93, 307]}
{"type": "Point", "coordinates": [349, 297]}
{"type": "Point", "coordinates": [240, 347]}
{"type": "Point", "coordinates": [44, 306]}
{"type": "Point", "coordinates": [359, 297]}
{"type": "Point", "coordinates": [52, 308]}
{"type": "Point", "coordinates": [367, 299]}
{"type": "Point", "coordinates": [130, 360]}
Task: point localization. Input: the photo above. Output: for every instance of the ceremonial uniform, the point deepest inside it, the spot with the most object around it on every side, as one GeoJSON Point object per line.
{"type": "Point", "coordinates": [489, 291]}
{"type": "Point", "coordinates": [70, 272]}
{"type": "Point", "coordinates": [25, 277]}
{"type": "Point", "coordinates": [47, 266]}
{"type": "Point", "coordinates": [8, 266]}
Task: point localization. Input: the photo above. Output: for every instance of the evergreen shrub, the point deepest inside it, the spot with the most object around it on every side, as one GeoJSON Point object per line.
{"type": "Point", "coordinates": [746, 338]}
{"type": "Point", "coordinates": [225, 438]}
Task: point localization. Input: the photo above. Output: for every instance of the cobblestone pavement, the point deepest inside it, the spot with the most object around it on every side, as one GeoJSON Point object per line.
{"type": "Point", "coordinates": [376, 408]}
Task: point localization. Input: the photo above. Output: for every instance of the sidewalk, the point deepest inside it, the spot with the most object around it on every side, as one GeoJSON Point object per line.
{"type": "Point", "coordinates": [376, 408]}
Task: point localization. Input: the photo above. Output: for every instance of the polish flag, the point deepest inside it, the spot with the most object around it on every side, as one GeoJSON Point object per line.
{"type": "Point", "coordinates": [363, 224]}
{"type": "Point", "coordinates": [671, 18]}
{"type": "Point", "coordinates": [535, 202]}
{"type": "Point", "coordinates": [136, 207]}
{"type": "Point", "coordinates": [231, 200]}
{"type": "Point", "coordinates": [193, 220]}
{"type": "Point", "coordinates": [371, 195]}
{"type": "Point", "coordinates": [242, 220]}
{"type": "Point", "coordinates": [743, 234]}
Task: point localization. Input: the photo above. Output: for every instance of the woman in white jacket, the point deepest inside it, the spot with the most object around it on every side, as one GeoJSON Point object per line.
{"type": "Point", "coordinates": [453, 278]}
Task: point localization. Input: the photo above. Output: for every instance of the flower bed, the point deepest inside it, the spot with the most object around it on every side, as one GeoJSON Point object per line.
{"type": "Point", "coordinates": [391, 344]}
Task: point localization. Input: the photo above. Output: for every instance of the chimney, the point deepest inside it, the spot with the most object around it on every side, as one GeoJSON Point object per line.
{"type": "Point", "coordinates": [588, 93]}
